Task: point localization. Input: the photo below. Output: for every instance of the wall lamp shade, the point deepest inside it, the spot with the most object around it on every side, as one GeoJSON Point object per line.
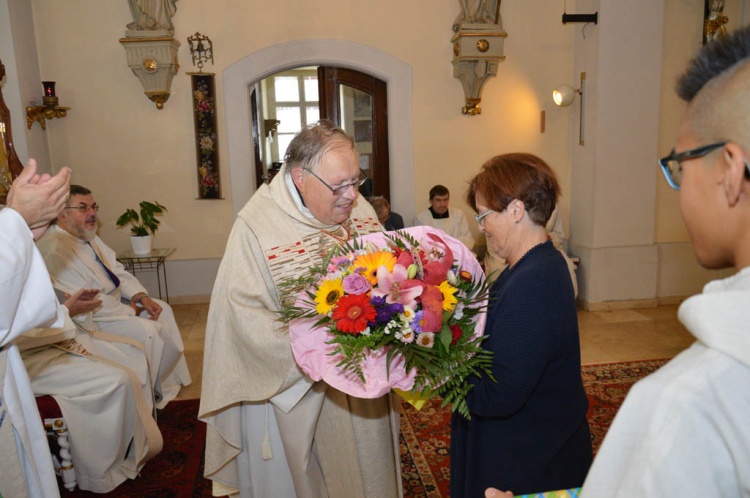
{"type": "Point", "coordinates": [564, 95]}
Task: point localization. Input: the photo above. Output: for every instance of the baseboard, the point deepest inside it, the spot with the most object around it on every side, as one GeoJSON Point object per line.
{"type": "Point", "coordinates": [617, 305]}
{"type": "Point", "coordinates": [189, 299]}
{"type": "Point", "coordinates": [671, 300]}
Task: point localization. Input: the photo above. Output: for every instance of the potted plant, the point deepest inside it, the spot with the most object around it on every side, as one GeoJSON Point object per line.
{"type": "Point", "coordinates": [140, 240]}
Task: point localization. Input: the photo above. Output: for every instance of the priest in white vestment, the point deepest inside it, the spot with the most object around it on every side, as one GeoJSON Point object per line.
{"type": "Point", "coordinates": [272, 431]}
{"type": "Point", "coordinates": [28, 301]}
{"type": "Point", "coordinates": [441, 216]}
{"type": "Point", "coordinates": [77, 258]}
{"type": "Point", "coordinates": [102, 385]}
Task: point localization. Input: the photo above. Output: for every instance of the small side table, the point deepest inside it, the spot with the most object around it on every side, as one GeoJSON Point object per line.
{"type": "Point", "coordinates": [151, 262]}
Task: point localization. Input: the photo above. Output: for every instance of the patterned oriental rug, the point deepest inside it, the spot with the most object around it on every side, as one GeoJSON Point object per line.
{"type": "Point", "coordinates": [176, 472]}
{"type": "Point", "coordinates": [424, 441]}
{"type": "Point", "coordinates": [425, 434]}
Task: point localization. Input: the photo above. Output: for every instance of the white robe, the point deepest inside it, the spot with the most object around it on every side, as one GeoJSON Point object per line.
{"type": "Point", "coordinates": [684, 430]}
{"type": "Point", "coordinates": [106, 406]}
{"type": "Point", "coordinates": [254, 397]}
{"type": "Point", "coordinates": [73, 265]}
{"type": "Point", "coordinates": [27, 300]}
{"type": "Point", "coordinates": [454, 225]}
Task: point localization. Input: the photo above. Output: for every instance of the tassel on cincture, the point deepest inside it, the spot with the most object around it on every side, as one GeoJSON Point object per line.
{"type": "Point", "coordinates": [267, 454]}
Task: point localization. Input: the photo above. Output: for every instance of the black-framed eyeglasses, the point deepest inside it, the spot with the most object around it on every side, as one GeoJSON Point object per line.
{"type": "Point", "coordinates": [480, 217]}
{"type": "Point", "coordinates": [84, 208]}
{"type": "Point", "coordinates": [671, 165]}
{"type": "Point", "coordinates": [340, 190]}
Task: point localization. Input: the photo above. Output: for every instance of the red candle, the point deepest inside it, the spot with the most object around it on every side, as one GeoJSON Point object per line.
{"type": "Point", "coordinates": [49, 88]}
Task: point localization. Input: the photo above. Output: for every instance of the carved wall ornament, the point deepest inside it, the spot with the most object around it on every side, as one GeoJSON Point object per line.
{"type": "Point", "coordinates": [478, 41]}
{"type": "Point", "coordinates": [150, 47]}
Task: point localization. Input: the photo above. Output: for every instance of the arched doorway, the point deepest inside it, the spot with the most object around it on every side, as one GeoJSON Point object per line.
{"type": "Point", "coordinates": [398, 76]}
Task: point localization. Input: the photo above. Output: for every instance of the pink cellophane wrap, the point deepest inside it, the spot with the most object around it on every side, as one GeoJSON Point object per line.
{"type": "Point", "coordinates": [312, 353]}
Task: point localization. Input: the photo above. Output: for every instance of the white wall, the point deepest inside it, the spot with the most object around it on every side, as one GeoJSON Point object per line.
{"type": "Point", "coordinates": [126, 150]}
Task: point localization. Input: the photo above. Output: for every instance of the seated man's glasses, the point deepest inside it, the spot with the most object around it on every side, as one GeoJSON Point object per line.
{"type": "Point", "coordinates": [84, 208]}
{"type": "Point", "coordinates": [340, 190]}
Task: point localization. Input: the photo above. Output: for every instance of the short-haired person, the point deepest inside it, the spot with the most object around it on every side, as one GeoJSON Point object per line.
{"type": "Point", "coordinates": [684, 430]}
{"type": "Point", "coordinates": [440, 215]}
{"type": "Point", "coordinates": [390, 220]}
{"type": "Point", "coordinates": [271, 430]}
{"type": "Point", "coordinates": [528, 431]}
{"type": "Point", "coordinates": [78, 259]}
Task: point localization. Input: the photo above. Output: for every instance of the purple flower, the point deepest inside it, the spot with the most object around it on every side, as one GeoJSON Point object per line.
{"type": "Point", "coordinates": [356, 284]}
{"type": "Point", "coordinates": [416, 324]}
{"type": "Point", "coordinates": [384, 310]}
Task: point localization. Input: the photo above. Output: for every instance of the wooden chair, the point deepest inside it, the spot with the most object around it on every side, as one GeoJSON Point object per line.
{"type": "Point", "coordinates": [54, 424]}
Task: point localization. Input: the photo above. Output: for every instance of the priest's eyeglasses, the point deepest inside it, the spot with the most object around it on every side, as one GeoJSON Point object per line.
{"type": "Point", "coordinates": [84, 208]}
{"type": "Point", "coordinates": [341, 190]}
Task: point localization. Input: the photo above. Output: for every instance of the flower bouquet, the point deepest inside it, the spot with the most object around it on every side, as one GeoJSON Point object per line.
{"type": "Point", "coordinates": [393, 310]}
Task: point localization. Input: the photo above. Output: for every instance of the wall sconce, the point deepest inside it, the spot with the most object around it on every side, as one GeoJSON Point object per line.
{"type": "Point", "coordinates": [50, 109]}
{"type": "Point", "coordinates": [564, 95]}
{"type": "Point", "coordinates": [201, 50]}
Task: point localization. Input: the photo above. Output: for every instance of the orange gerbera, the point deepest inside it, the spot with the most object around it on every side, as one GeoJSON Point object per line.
{"type": "Point", "coordinates": [352, 313]}
{"type": "Point", "coordinates": [371, 261]}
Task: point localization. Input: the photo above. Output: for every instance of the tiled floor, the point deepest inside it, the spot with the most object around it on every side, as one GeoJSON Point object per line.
{"type": "Point", "coordinates": [606, 336]}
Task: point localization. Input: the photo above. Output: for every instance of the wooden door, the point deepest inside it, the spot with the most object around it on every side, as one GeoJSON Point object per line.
{"type": "Point", "coordinates": [358, 103]}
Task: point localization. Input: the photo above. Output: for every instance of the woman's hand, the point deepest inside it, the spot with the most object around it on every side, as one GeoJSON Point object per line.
{"type": "Point", "coordinates": [496, 493]}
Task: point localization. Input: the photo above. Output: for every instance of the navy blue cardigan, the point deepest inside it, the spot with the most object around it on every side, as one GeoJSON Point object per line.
{"type": "Point", "coordinates": [528, 432]}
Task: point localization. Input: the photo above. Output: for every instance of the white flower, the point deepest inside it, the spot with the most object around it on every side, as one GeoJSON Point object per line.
{"type": "Point", "coordinates": [367, 331]}
{"type": "Point", "coordinates": [405, 335]}
{"type": "Point", "coordinates": [393, 324]}
{"type": "Point", "coordinates": [426, 339]}
{"type": "Point", "coordinates": [452, 278]}
{"type": "Point", "coordinates": [408, 315]}
{"type": "Point", "coordinates": [458, 312]}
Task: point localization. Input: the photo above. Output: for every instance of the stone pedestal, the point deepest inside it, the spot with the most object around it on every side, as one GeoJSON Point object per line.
{"type": "Point", "coordinates": [153, 59]}
{"type": "Point", "coordinates": [477, 52]}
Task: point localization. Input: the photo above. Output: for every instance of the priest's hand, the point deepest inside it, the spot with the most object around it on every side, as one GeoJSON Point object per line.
{"type": "Point", "coordinates": [153, 309]}
{"type": "Point", "coordinates": [82, 302]}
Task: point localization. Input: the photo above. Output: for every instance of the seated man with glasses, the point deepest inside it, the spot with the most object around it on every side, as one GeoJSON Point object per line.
{"type": "Point", "coordinates": [78, 259]}
{"type": "Point", "coordinates": [271, 430]}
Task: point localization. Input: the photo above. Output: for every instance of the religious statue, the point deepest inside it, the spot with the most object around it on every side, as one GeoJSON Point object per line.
{"type": "Point", "coordinates": [477, 12]}
{"type": "Point", "coordinates": [152, 15]}
{"type": "Point", "coordinates": [714, 24]}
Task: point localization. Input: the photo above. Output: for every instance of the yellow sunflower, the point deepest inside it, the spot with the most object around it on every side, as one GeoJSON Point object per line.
{"type": "Point", "coordinates": [327, 295]}
{"type": "Point", "coordinates": [449, 298]}
{"type": "Point", "coordinates": [372, 261]}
